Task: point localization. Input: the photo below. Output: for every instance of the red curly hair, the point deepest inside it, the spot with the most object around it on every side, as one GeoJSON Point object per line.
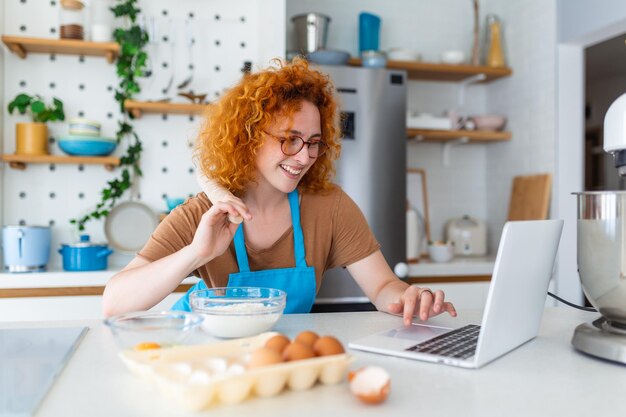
{"type": "Point", "coordinates": [233, 129]}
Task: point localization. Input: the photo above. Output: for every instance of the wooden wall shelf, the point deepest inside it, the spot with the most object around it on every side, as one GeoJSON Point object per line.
{"type": "Point", "coordinates": [428, 135]}
{"type": "Point", "coordinates": [21, 46]}
{"type": "Point", "coordinates": [20, 161]}
{"type": "Point", "coordinates": [430, 71]}
{"type": "Point", "coordinates": [137, 108]}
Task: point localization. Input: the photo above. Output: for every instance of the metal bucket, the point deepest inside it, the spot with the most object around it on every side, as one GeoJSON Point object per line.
{"type": "Point", "coordinates": [601, 230]}
{"type": "Point", "coordinates": [311, 31]}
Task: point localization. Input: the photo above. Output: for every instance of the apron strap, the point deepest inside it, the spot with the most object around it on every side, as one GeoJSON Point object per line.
{"type": "Point", "coordinates": [298, 237]}
{"type": "Point", "coordinates": [240, 250]}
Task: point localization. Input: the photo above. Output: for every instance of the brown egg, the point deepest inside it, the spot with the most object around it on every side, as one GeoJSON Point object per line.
{"type": "Point", "coordinates": [296, 351]}
{"type": "Point", "coordinates": [328, 345]}
{"type": "Point", "coordinates": [263, 357]}
{"type": "Point", "coordinates": [278, 342]}
{"type": "Point", "coordinates": [307, 337]}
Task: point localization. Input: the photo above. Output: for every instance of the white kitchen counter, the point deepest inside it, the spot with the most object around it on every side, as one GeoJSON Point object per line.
{"type": "Point", "coordinates": [544, 377]}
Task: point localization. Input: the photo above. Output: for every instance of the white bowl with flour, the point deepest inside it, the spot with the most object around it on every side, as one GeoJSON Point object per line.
{"type": "Point", "coordinates": [231, 312]}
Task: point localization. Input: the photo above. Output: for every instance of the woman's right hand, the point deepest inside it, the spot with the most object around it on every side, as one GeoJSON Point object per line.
{"type": "Point", "coordinates": [214, 232]}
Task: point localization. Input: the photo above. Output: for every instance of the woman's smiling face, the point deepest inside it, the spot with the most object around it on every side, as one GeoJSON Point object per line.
{"type": "Point", "coordinates": [284, 172]}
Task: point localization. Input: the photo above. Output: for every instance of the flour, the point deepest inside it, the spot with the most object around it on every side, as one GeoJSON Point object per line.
{"type": "Point", "coordinates": [239, 319]}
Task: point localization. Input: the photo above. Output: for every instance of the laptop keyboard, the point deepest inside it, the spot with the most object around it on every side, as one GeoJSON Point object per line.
{"type": "Point", "coordinates": [459, 343]}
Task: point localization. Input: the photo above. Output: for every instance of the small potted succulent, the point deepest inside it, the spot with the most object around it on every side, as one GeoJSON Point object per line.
{"type": "Point", "coordinates": [32, 138]}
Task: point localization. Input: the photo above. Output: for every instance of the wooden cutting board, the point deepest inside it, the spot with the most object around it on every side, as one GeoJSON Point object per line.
{"type": "Point", "coordinates": [530, 197]}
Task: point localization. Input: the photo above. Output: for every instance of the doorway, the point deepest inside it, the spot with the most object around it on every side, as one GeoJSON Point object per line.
{"type": "Point", "coordinates": [605, 81]}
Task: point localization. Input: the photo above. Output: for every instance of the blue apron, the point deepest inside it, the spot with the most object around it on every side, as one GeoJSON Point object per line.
{"type": "Point", "coordinates": [299, 282]}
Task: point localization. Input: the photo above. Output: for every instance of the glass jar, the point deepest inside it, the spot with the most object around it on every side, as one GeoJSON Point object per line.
{"type": "Point", "coordinates": [101, 20]}
{"type": "Point", "coordinates": [494, 43]}
{"type": "Point", "coordinates": [72, 19]}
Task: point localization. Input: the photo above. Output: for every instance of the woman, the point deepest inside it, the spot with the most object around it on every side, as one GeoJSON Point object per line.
{"type": "Point", "coordinates": [271, 141]}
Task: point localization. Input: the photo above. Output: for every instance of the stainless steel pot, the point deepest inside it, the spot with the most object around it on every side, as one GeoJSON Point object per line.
{"type": "Point", "coordinates": [311, 31]}
{"type": "Point", "coordinates": [602, 252]}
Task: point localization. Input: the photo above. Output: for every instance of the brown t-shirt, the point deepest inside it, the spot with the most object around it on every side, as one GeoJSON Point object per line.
{"type": "Point", "coordinates": [335, 234]}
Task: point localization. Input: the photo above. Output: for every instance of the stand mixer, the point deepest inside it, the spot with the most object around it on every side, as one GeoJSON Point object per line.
{"type": "Point", "coordinates": [601, 230]}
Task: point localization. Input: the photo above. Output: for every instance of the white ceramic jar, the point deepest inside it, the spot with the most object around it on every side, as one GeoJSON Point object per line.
{"type": "Point", "coordinates": [101, 20]}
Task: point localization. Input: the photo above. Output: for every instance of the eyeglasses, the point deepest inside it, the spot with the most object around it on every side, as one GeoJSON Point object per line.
{"type": "Point", "coordinates": [291, 145]}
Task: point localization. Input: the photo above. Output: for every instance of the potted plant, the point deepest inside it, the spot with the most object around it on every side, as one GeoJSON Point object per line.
{"type": "Point", "coordinates": [32, 138]}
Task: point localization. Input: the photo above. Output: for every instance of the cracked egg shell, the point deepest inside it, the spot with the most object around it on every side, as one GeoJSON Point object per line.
{"type": "Point", "coordinates": [370, 384]}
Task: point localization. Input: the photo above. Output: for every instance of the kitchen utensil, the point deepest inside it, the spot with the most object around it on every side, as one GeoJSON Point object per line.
{"type": "Point", "coordinates": [530, 197]}
{"type": "Point", "coordinates": [79, 126]}
{"type": "Point", "coordinates": [128, 225]}
{"type": "Point", "coordinates": [172, 40]}
{"type": "Point", "coordinates": [369, 32]}
{"type": "Point", "coordinates": [468, 235]}
{"type": "Point", "coordinates": [311, 31]}
{"type": "Point", "coordinates": [441, 251]}
{"type": "Point", "coordinates": [601, 232]}
{"type": "Point", "coordinates": [161, 328]}
{"type": "Point", "coordinates": [329, 57]}
{"type": "Point", "coordinates": [85, 255]}
{"type": "Point", "coordinates": [489, 122]}
{"type": "Point", "coordinates": [238, 311]}
{"type": "Point", "coordinates": [87, 145]}
{"type": "Point", "coordinates": [194, 98]}
{"type": "Point", "coordinates": [25, 248]}
{"type": "Point", "coordinates": [189, 39]}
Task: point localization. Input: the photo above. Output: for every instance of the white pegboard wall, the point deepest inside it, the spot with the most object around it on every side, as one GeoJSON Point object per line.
{"type": "Point", "coordinates": [225, 35]}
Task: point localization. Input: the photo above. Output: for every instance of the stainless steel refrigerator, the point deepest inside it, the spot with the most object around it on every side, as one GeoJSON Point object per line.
{"type": "Point", "coordinates": [371, 169]}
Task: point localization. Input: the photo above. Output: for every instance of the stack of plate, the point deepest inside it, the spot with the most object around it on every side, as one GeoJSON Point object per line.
{"type": "Point", "coordinates": [84, 139]}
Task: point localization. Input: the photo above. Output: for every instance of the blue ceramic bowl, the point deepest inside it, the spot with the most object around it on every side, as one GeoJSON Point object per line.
{"type": "Point", "coordinates": [87, 147]}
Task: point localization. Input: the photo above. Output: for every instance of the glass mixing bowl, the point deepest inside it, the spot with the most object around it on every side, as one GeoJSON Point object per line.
{"type": "Point", "coordinates": [153, 329]}
{"type": "Point", "coordinates": [238, 311]}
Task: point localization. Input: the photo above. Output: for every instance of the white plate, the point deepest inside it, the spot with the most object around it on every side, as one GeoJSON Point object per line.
{"type": "Point", "coordinates": [129, 226]}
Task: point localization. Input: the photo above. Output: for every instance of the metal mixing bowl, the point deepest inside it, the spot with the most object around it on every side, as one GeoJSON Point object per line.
{"type": "Point", "coordinates": [602, 252]}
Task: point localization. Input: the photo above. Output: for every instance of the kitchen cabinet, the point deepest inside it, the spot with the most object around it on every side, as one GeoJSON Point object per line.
{"type": "Point", "coordinates": [22, 46]}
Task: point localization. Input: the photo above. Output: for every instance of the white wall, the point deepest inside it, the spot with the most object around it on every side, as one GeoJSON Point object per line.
{"type": "Point", "coordinates": [527, 98]}
{"type": "Point", "coordinates": [226, 35]}
{"type": "Point", "coordinates": [588, 21]}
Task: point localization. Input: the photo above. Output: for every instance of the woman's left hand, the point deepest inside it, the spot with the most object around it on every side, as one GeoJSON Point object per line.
{"type": "Point", "coordinates": [422, 302]}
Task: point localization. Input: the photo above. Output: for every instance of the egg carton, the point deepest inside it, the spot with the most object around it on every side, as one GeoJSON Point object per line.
{"type": "Point", "coordinates": [181, 374]}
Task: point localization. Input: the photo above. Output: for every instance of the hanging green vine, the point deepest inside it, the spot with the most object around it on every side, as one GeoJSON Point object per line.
{"type": "Point", "coordinates": [131, 65]}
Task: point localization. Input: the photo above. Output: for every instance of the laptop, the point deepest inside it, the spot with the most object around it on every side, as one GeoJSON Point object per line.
{"type": "Point", "coordinates": [512, 314]}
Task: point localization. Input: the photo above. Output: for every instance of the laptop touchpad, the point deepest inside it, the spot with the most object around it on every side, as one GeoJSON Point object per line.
{"type": "Point", "coordinates": [417, 332]}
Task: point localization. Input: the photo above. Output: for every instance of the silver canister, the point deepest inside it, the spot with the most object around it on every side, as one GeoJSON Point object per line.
{"type": "Point", "coordinates": [601, 229]}
{"type": "Point", "coordinates": [311, 31]}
